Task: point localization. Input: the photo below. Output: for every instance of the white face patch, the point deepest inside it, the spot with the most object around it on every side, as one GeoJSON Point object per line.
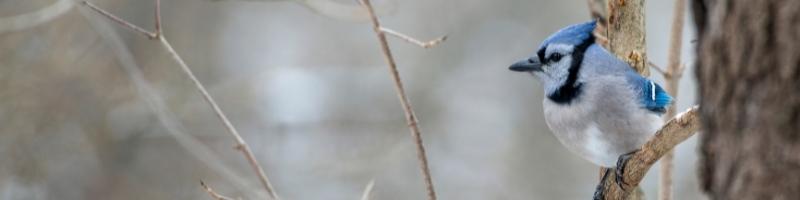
{"type": "Point", "coordinates": [554, 73]}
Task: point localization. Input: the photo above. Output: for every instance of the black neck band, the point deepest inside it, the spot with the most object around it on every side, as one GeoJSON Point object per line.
{"type": "Point", "coordinates": [570, 90]}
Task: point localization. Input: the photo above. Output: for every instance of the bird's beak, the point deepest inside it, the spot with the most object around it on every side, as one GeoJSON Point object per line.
{"type": "Point", "coordinates": [528, 65]}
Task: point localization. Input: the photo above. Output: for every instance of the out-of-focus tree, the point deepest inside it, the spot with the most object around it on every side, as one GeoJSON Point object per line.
{"type": "Point", "coordinates": [748, 61]}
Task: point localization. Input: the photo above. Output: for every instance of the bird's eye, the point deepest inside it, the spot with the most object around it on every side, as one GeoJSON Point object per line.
{"type": "Point", "coordinates": [555, 57]}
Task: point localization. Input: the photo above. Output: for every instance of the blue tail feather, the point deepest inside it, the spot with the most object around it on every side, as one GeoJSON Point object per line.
{"type": "Point", "coordinates": [653, 97]}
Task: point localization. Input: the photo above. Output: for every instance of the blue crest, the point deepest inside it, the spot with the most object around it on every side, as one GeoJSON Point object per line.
{"type": "Point", "coordinates": [574, 34]}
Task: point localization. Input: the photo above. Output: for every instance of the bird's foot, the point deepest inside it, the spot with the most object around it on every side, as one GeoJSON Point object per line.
{"type": "Point", "coordinates": [620, 169]}
{"type": "Point", "coordinates": [599, 193]}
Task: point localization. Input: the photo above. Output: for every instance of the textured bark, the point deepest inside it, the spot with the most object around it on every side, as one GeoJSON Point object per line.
{"type": "Point", "coordinates": [626, 33]}
{"type": "Point", "coordinates": [748, 58]}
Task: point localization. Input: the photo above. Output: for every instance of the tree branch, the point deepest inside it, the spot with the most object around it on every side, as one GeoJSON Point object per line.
{"type": "Point", "coordinates": [658, 69]}
{"type": "Point", "coordinates": [411, 40]}
{"type": "Point", "coordinates": [122, 22]}
{"type": "Point", "coordinates": [411, 118]}
{"type": "Point", "coordinates": [241, 145]}
{"type": "Point", "coordinates": [675, 131]}
{"type": "Point", "coordinates": [626, 33]}
{"type": "Point", "coordinates": [673, 78]}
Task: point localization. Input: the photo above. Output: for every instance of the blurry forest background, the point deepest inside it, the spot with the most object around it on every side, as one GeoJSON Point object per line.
{"type": "Point", "coordinates": [89, 110]}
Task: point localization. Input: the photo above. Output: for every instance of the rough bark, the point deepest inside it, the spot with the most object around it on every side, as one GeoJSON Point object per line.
{"type": "Point", "coordinates": [625, 32]}
{"type": "Point", "coordinates": [747, 67]}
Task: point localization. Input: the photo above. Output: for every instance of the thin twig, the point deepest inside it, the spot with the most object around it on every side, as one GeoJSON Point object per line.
{"type": "Point", "coordinates": [367, 195]}
{"type": "Point", "coordinates": [213, 194]}
{"type": "Point", "coordinates": [158, 31]}
{"type": "Point", "coordinates": [674, 72]}
{"type": "Point", "coordinates": [121, 21]}
{"type": "Point", "coordinates": [241, 145]}
{"type": "Point", "coordinates": [156, 103]}
{"type": "Point", "coordinates": [411, 118]}
{"type": "Point", "coordinates": [411, 40]}
{"type": "Point", "coordinates": [658, 69]}
{"type": "Point", "coordinates": [674, 68]}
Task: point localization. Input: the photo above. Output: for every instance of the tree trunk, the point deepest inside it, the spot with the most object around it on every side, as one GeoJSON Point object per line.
{"type": "Point", "coordinates": [747, 67]}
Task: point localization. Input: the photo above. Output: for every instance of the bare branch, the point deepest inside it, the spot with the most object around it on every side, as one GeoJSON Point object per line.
{"type": "Point", "coordinates": [675, 131]}
{"type": "Point", "coordinates": [158, 31]}
{"type": "Point", "coordinates": [658, 69]}
{"type": "Point", "coordinates": [241, 145]}
{"type": "Point", "coordinates": [367, 195]}
{"type": "Point", "coordinates": [411, 40]}
{"type": "Point", "coordinates": [213, 194]}
{"type": "Point", "coordinates": [35, 18]}
{"type": "Point", "coordinates": [679, 72]}
{"type": "Point", "coordinates": [121, 21]}
{"type": "Point", "coordinates": [673, 78]}
{"type": "Point", "coordinates": [411, 118]}
{"type": "Point", "coordinates": [156, 103]}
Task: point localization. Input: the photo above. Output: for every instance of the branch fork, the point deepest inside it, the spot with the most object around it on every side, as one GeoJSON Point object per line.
{"type": "Point", "coordinates": [241, 145]}
{"type": "Point", "coordinates": [411, 118]}
{"type": "Point", "coordinates": [426, 45]}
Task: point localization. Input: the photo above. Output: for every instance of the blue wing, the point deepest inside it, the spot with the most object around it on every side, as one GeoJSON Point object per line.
{"type": "Point", "coordinates": [651, 96]}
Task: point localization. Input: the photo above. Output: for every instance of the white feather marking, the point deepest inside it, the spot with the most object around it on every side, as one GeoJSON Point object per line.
{"type": "Point", "coordinates": [652, 90]}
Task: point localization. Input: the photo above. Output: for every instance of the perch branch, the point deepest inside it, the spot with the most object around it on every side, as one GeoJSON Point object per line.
{"type": "Point", "coordinates": [213, 194]}
{"type": "Point", "coordinates": [241, 145]}
{"type": "Point", "coordinates": [675, 131]}
{"type": "Point", "coordinates": [673, 78]}
{"type": "Point", "coordinates": [411, 118]}
{"type": "Point", "coordinates": [411, 40]}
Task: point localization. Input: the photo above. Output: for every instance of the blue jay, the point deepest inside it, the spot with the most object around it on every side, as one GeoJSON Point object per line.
{"type": "Point", "coordinates": [596, 105]}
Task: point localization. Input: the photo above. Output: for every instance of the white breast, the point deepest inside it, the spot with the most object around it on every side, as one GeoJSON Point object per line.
{"type": "Point", "coordinates": [602, 124]}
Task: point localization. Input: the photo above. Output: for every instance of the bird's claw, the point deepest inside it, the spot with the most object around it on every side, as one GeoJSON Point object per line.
{"type": "Point", "coordinates": [599, 193]}
{"type": "Point", "coordinates": [620, 169]}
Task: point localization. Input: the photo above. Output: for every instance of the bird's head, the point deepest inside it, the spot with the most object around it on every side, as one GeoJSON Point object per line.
{"type": "Point", "coordinates": [558, 60]}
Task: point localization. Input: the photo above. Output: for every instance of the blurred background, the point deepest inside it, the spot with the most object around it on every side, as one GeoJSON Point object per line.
{"type": "Point", "coordinates": [89, 110]}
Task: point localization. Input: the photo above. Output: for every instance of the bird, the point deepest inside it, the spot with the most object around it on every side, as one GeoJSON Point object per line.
{"type": "Point", "coordinates": [595, 104]}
